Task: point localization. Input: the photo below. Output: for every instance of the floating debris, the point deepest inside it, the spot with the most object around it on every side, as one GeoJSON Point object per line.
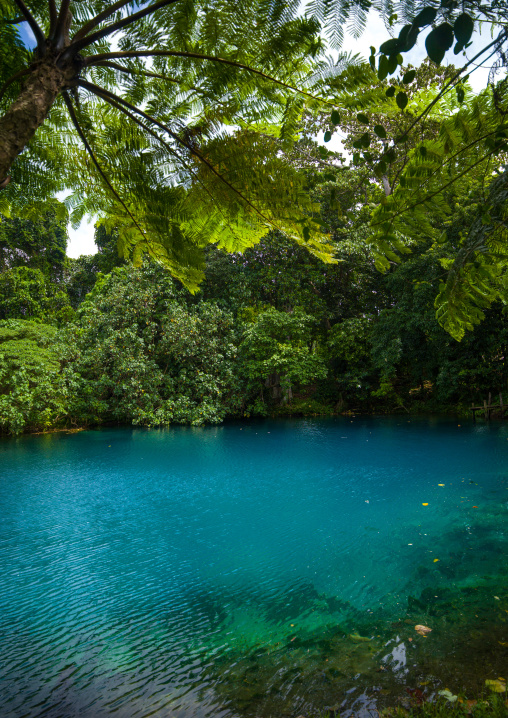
{"type": "Point", "coordinates": [422, 630]}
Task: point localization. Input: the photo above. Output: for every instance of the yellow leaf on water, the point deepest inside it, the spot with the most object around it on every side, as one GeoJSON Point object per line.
{"type": "Point", "coordinates": [436, 559]}
{"type": "Point", "coordinates": [424, 504]}
{"type": "Point", "coordinates": [503, 643]}
{"type": "Point", "coordinates": [440, 484]}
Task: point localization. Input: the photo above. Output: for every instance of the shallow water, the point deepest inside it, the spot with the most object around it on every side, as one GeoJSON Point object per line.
{"type": "Point", "coordinates": [263, 569]}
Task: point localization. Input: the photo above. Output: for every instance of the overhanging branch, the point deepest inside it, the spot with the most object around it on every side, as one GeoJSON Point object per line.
{"type": "Point", "coordinates": [144, 73]}
{"type": "Point", "coordinates": [95, 161]}
{"type": "Point", "coordinates": [99, 18]}
{"type": "Point", "coordinates": [58, 35]}
{"type": "Point", "coordinates": [172, 152]}
{"type": "Point", "coordinates": [78, 44]}
{"type": "Point", "coordinates": [96, 59]}
{"type": "Point", "coordinates": [34, 27]}
{"type": "Point", "coordinates": [101, 92]}
{"type": "Point", "coordinates": [53, 17]}
{"type": "Point", "coordinates": [502, 36]}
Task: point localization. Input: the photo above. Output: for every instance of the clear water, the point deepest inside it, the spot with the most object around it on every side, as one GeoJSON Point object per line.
{"type": "Point", "coordinates": [260, 569]}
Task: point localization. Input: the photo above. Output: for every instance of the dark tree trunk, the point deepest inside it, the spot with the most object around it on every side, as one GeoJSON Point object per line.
{"type": "Point", "coordinates": [29, 110]}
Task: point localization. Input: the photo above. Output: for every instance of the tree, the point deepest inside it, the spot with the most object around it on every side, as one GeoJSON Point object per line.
{"type": "Point", "coordinates": [82, 272]}
{"type": "Point", "coordinates": [33, 391]}
{"type": "Point", "coordinates": [27, 294]}
{"type": "Point", "coordinates": [278, 353]}
{"type": "Point", "coordinates": [32, 267]}
{"type": "Point", "coordinates": [36, 243]}
{"type": "Point", "coordinates": [141, 357]}
{"type": "Point", "coordinates": [144, 142]}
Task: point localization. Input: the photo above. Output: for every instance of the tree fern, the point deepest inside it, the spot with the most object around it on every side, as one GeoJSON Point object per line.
{"type": "Point", "coordinates": [137, 131]}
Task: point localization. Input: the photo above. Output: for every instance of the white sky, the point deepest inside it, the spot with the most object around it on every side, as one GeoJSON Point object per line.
{"type": "Point", "coordinates": [81, 240]}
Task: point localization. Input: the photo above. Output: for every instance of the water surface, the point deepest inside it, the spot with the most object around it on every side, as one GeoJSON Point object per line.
{"type": "Point", "coordinates": [263, 569]}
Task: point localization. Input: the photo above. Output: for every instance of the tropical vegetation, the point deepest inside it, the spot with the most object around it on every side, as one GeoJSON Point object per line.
{"type": "Point", "coordinates": [243, 267]}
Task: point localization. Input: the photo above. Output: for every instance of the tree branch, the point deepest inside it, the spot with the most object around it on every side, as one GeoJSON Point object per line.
{"type": "Point", "coordinates": [12, 79]}
{"type": "Point", "coordinates": [445, 89]}
{"type": "Point", "coordinates": [95, 59]}
{"type": "Point", "coordinates": [172, 151]}
{"type": "Point", "coordinates": [101, 92]}
{"type": "Point", "coordinates": [78, 44]}
{"type": "Point", "coordinates": [34, 27]}
{"type": "Point", "coordinates": [145, 73]}
{"type": "Point", "coordinates": [58, 35]}
{"type": "Point", "coordinates": [94, 159]}
{"type": "Point", "coordinates": [53, 17]}
{"type": "Point", "coordinates": [438, 191]}
{"type": "Point", "coordinates": [99, 18]}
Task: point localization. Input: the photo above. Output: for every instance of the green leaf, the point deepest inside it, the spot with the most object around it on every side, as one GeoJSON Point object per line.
{"type": "Point", "coordinates": [390, 155]}
{"type": "Point", "coordinates": [323, 152]}
{"type": "Point", "coordinates": [393, 63]}
{"type": "Point", "coordinates": [401, 100]}
{"type": "Point", "coordinates": [380, 168]}
{"type": "Point", "coordinates": [335, 117]}
{"type": "Point", "coordinates": [356, 158]}
{"type": "Point", "coordinates": [409, 76]}
{"type": "Point", "coordinates": [423, 151]}
{"type": "Point", "coordinates": [328, 136]}
{"type": "Point", "coordinates": [463, 28]}
{"type": "Point", "coordinates": [408, 37]}
{"type": "Point", "coordinates": [380, 131]}
{"type": "Point", "coordinates": [439, 41]}
{"type": "Point", "coordinates": [306, 233]}
{"type": "Point", "coordinates": [383, 67]}
{"type": "Point", "coordinates": [390, 91]}
{"type": "Point", "coordinates": [361, 117]}
{"type": "Point", "coordinates": [365, 140]}
{"type": "Point", "coordinates": [460, 94]}
{"type": "Point", "coordinates": [425, 17]}
{"type": "Point", "coordinates": [391, 47]}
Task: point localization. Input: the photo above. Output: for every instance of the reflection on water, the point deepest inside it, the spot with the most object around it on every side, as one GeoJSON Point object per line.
{"type": "Point", "coordinates": [261, 569]}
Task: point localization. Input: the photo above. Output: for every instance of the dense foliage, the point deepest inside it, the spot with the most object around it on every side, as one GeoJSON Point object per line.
{"type": "Point", "coordinates": [328, 281]}
{"type": "Point", "coordinates": [274, 330]}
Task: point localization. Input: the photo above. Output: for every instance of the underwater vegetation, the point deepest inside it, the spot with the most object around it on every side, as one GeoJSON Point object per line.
{"type": "Point", "coordinates": [448, 644]}
{"type": "Point", "coordinates": [318, 569]}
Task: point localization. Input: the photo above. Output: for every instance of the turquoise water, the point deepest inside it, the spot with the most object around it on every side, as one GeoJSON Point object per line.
{"type": "Point", "coordinates": [263, 569]}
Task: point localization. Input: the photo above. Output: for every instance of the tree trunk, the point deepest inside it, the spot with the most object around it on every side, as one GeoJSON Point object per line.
{"type": "Point", "coordinates": [28, 111]}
